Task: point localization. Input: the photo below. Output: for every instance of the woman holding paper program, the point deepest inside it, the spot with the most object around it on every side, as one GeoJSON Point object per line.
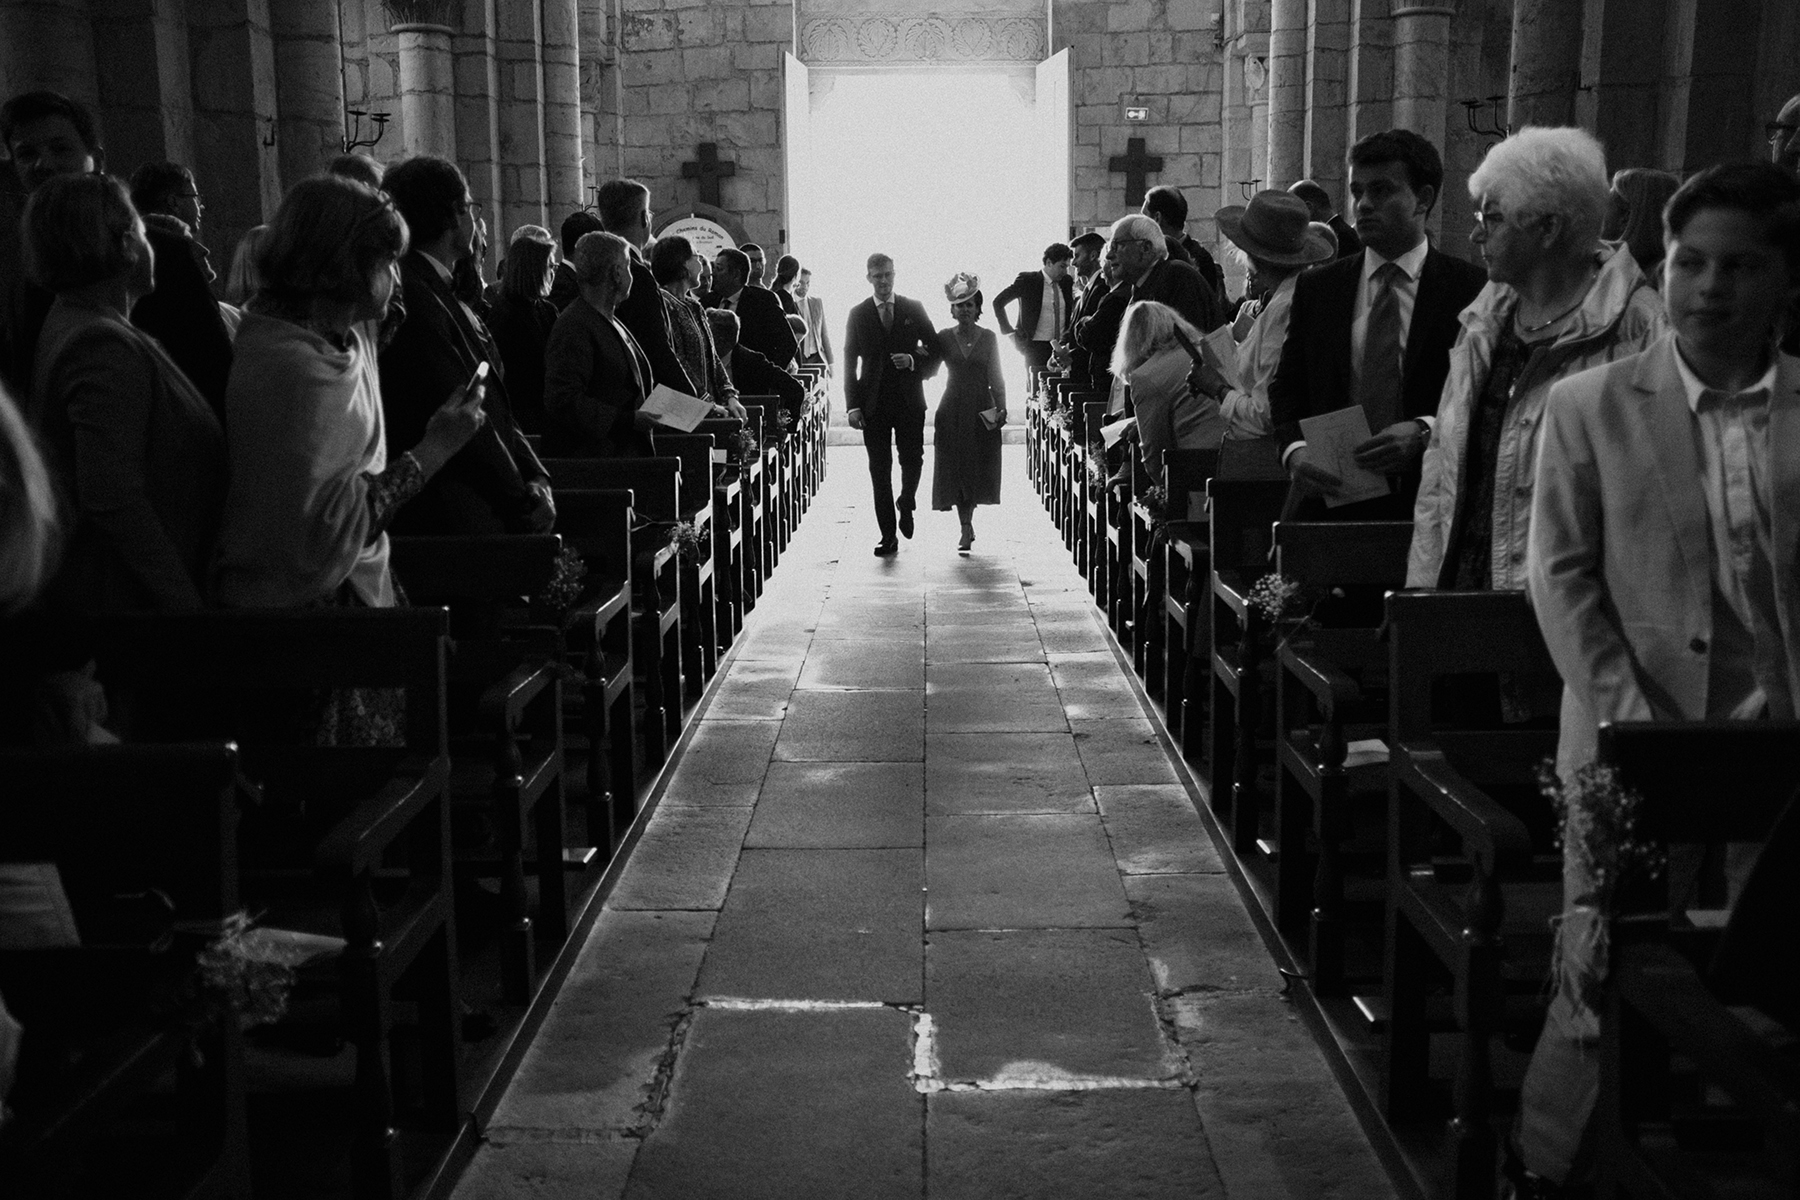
{"type": "Point", "coordinates": [1154, 354]}
{"type": "Point", "coordinates": [966, 462]}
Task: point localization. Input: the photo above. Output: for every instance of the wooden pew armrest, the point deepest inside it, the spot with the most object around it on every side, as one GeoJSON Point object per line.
{"type": "Point", "coordinates": [1333, 689]}
{"type": "Point", "coordinates": [1481, 823]}
{"type": "Point", "coordinates": [503, 704]}
{"type": "Point", "coordinates": [356, 843]}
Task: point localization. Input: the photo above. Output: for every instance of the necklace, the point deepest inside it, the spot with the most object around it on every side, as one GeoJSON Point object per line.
{"type": "Point", "coordinates": [1519, 313]}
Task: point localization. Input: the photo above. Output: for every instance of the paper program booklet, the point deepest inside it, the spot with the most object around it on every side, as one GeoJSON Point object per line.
{"type": "Point", "coordinates": [1331, 442]}
{"type": "Point", "coordinates": [675, 410]}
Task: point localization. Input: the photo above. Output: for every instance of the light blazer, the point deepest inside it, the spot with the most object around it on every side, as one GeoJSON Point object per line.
{"type": "Point", "coordinates": [813, 309]}
{"type": "Point", "coordinates": [870, 381]}
{"type": "Point", "coordinates": [1619, 567]}
{"type": "Point", "coordinates": [1028, 290]}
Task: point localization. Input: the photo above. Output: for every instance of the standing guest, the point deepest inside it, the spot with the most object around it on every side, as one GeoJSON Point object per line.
{"type": "Point", "coordinates": [520, 319]}
{"type": "Point", "coordinates": [787, 269]}
{"type": "Point", "coordinates": [495, 484]}
{"type": "Point", "coordinates": [1662, 568]}
{"type": "Point", "coordinates": [357, 167]}
{"type": "Point", "coordinates": [816, 346]}
{"type": "Point", "coordinates": [596, 376]}
{"type": "Point", "coordinates": [1169, 209]}
{"type": "Point", "coordinates": [1279, 241]}
{"type": "Point", "coordinates": [1375, 330]}
{"type": "Point", "coordinates": [624, 206]}
{"type": "Point", "coordinates": [758, 267]}
{"type": "Point", "coordinates": [1151, 358]}
{"type": "Point", "coordinates": [965, 468]}
{"type": "Point", "coordinates": [1558, 302]}
{"type": "Point", "coordinates": [752, 374]}
{"type": "Point", "coordinates": [890, 349]}
{"type": "Point", "coordinates": [313, 489]}
{"type": "Point", "coordinates": [141, 453]}
{"type": "Point", "coordinates": [1322, 210]}
{"type": "Point", "coordinates": [45, 135]}
{"type": "Point", "coordinates": [468, 278]}
{"type": "Point", "coordinates": [1784, 137]}
{"type": "Point", "coordinates": [1634, 215]}
{"type": "Point", "coordinates": [1045, 298]}
{"type": "Point", "coordinates": [1091, 287]}
{"type": "Point", "coordinates": [1099, 333]}
{"type": "Point", "coordinates": [241, 280]}
{"type": "Point", "coordinates": [677, 268]}
{"type": "Point", "coordinates": [182, 313]}
{"type": "Point", "coordinates": [575, 226]}
{"type": "Point", "coordinates": [1141, 250]}
{"type": "Point", "coordinates": [762, 324]}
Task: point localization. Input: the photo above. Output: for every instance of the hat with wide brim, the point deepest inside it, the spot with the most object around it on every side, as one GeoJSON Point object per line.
{"type": "Point", "coordinates": [1276, 228]}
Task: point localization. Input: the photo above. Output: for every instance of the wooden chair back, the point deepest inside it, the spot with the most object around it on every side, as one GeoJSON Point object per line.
{"type": "Point", "coordinates": [1243, 513]}
{"type": "Point", "coordinates": [1436, 634]}
{"type": "Point", "coordinates": [698, 471]}
{"type": "Point", "coordinates": [1343, 553]}
{"type": "Point", "coordinates": [1185, 475]}
{"type": "Point", "coordinates": [655, 483]}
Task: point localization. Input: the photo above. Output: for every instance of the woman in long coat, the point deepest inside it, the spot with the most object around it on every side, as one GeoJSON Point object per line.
{"type": "Point", "coordinates": [966, 460]}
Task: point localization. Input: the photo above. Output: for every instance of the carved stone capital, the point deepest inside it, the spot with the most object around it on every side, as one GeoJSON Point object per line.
{"type": "Point", "coordinates": [441, 13]}
{"type": "Point", "coordinates": [933, 38]}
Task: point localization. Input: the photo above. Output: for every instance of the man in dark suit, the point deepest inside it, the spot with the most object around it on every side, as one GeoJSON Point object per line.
{"type": "Point", "coordinates": [1318, 203]}
{"type": "Point", "coordinates": [494, 484]}
{"type": "Point", "coordinates": [1375, 330]}
{"type": "Point", "coordinates": [182, 313]}
{"type": "Point", "coordinates": [1092, 287]}
{"type": "Point", "coordinates": [575, 226]}
{"type": "Point", "coordinates": [1169, 209]}
{"type": "Point", "coordinates": [624, 208]}
{"type": "Point", "coordinates": [1139, 248]}
{"type": "Point", "coordinates": [762, 322]}
{"type": "Point", "coordinates": [1045, 300]}
{"type": "Point", "coordinates": [753, 375]}
{"type": "Point", "coordinates": [890, 348]}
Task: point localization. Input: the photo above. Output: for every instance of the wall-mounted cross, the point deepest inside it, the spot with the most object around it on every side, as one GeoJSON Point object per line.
{"type": "Point", "coordinates": [709, 171]}
{"type": "Point", "coordinates": [1136, 164]}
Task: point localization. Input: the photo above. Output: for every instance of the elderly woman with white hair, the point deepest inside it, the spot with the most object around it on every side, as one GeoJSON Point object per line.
{"type": "Point", "coordinates": [1558, 301]}
{"type": "Point", "coordinates": [1152, 356]}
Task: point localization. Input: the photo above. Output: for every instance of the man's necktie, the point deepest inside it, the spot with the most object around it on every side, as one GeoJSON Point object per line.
{"type": "Point", "coordinates": [1378, 391]}
{"type": "Point", "coordinates": [887, 315]}
{"type": "Point", "coordinates": [1056, 312]}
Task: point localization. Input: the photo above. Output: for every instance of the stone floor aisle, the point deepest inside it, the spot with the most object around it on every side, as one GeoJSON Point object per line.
{"type": "Point", "coordinates": [924, 912]}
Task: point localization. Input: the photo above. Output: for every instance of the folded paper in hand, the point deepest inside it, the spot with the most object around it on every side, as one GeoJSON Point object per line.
{"type": "Point", "coordinates": [1331, 442]}
{"type": "Point", "coordinates": [675, 410]}
{"type": "Point", "coordinates": [1220, 351]}
{"type": "Point", "coordinates": [1110, 434]}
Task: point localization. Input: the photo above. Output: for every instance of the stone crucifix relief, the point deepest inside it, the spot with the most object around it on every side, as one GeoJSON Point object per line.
{"type": "Point", "coordinates": [709, 171]}
{"type": "Point", "coordinates": [1136, 165]}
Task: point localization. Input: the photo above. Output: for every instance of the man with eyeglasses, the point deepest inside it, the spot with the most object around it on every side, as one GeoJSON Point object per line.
{"type": "Point", "coordinates": [1141, 251]}
{"type": "Point", "coordinates": [181, 311]}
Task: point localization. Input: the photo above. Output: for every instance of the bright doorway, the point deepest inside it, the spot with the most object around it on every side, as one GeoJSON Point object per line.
{"type": "Point", "coordinates": [944, 169]}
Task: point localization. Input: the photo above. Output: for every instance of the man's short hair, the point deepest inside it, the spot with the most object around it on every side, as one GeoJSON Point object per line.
{"type": "Point", "coordinates": [1419, 158]}
{"type": "Point", "coordinates": [737, 260]}
{"type": "Point", "coordinates": [327, 239]}
{"type": "Point", "coordinates": [1761, 189]}
{"type": "Point", "coordinates": [750, 248]}
{"type": "Point", "coordinates": [669, 258]}
{"type": "Point", "coordinates": [359, 167]}
{"type": "Point", "coordinates": [618, 202]}
{"type": "Point", "coordinates": [1312, 192]}
{"type": "Point", "coordinates": [577, 223]}
{"type": "Point", "coordinates": [428, 191]}
{"type": "Point", "coordinates": [34, 106]}
{"type": "Point", "coordinates": [155, 186]}
{"type": "Point", "coordinates": [75, 228]}
{"type": "Point", "coordinates": [1057, 252]}
{"type": "Point", "coordinates": [1166, 204]}
{"type": "Point", "coordinates": [1540, 172]}
{"type": "Point", "coordinates": [1088, 239]}
{"type": "Point", "coordinates": [878, 261]}
{"type": "Point", "coordinates": [724, 324]}
{"type": "Point", "coordinates": [1139, 228]}
{"type": "Point", "coordinates": [596, 255]}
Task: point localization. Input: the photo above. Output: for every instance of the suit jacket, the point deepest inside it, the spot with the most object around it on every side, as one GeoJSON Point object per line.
{"type": "Point", "coordinates": [483, 488]}
{"type": "Point", "coordinates": [757, 377]}
{"type": "Point", "coordinates": [1098, 334]}
{"type": "Point", "coordinates": [595, 378]}
{"type": "Point", "coordinates": [762, 324]}
{"type": "Point", "coordinates": [1181, 287]}
{"type": "Point", "coordinates": [1619, 565]}
{"type": "Point", "coordinates": [1186, 249]}
{"type": "Point", "coordinates": [870, 381]}
{"type": "Point", "coordinates": [182, 313]}
{"type": "Point", "coordinates": [644, 314]}
{"type": "Point", "coordinates": [815, 321]}
{"type": "Point", "coordinates": [564, 288]}
{"type": "Point", "coordinates": [1028, 290]}
{"type": "Point", "coordinates": [1348, 241]}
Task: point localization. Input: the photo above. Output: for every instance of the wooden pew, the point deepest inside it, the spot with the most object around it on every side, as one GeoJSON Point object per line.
{"type": "Point", "coordinates": [1330, 691]}
{"type": "Point", "coordinates": [755, 478]}
{"type": "Point", "coordinates": [728, 525]}
{"type": "Point", "coordinates": [699, 614]}
{"type": "Point", "coordinates": [1473, 876]}
{"type": "Point", "coordinates": [505, 723]}
{"type": "Point", "coordinates": [1187, 650]}
{"type": "Point", "coordinates": [100, 1031]}
{"type": "Point", "coordinates": [1699, 1086]}
{"type": "Point", "coordinates": [349, 841]}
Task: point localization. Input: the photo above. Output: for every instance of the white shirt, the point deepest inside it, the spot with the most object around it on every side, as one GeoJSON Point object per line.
{"type": "Point", "coordinates": [1406, 291]}
{"type": "Point", "coordinates": [1050, 314]}
{"type": "Point", "coordinates": [1246, 405]}
{"type": "Point", "coordinates": [1747, 665]}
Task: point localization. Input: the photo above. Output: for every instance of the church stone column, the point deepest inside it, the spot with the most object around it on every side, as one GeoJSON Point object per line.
{"type": "Point", "coordinates": [142, 68]}
{"type": "Point", "coordinates": [423, 29]}
{"type": "Point", "coordinates": [1546, 63]}
{"type": "Point", "coordinates": [1287, 93]}
{"type": "Point", "coordinates": [309, 82]}
{"type": "Point", "coordinates": [562, 108]}
{"type": "Point", "coordinates": [1327, 95]}
{"type": "Point", "coordinates": [48, 45]}
{"type": "Point", "coordinates": [1371, 73]}
{"type": "Point", "coordinates": [1422, 68]}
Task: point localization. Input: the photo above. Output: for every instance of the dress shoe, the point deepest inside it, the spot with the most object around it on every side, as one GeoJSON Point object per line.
{"type": "Point", "coordinates": [906, 525]}
{"type": "Point", "coordinates": [968, 539]}
{"type": "Point", "coordinates": [887, 547]}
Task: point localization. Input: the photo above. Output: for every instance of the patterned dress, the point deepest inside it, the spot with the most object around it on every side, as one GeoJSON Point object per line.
{"type": "Point", "coordinates": [966, 459]}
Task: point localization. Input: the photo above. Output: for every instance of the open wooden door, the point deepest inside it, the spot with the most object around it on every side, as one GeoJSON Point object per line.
{"type": "Point", "coordinates": [797, 144]}
{"type": "Point", "coordinates": [1055, 137]}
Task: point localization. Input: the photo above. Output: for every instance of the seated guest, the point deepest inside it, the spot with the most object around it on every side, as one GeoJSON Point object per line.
{"type": "Point", "coordinates": [787, 270]}
{"type": "Point", "coordinates": [595, 374]}
{"type": "Point", "coordinates": [815, 347]}
{"type": "Point", "coordinates": [182, 313]}
{"type": "Point", "coordinates": [520, 320]}
{"type": "Point", "coordinates": [358, 167]}
{"type": "Point", "coordinates": [677, 268]}
{"type": "Point", "coordinates": [1279, 240]}
{"type": "Point", "coordinates": [140, 452]}
{"type": "Point", "coordinates": [495, 483]}
{"type": "Point", "coordinates": [1151, 358]}
{"type": "Point", "coordinates": [575, 226]}
{"type": "Point", "coordinates": [1557, 302]}
{"type": "Point", "coordinates": [313, 489]}
{"type": "Point", "coordinates": [755, 376]}
{"type": "Point", "coordinates": [762, 325]}
{"type": "Point", "coordinates": [1634, 214]}
{"type": "Point", "coordinates": [1662, 569]}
